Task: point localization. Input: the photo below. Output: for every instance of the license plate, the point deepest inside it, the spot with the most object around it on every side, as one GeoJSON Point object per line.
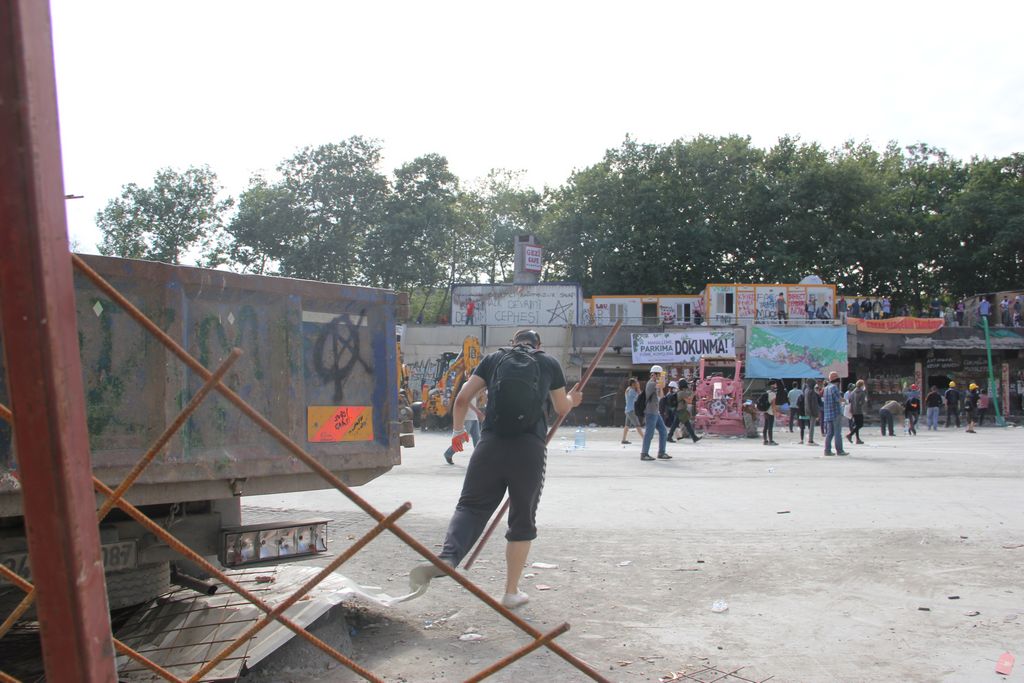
{"type": "Point", "coordinates": [116, 556]}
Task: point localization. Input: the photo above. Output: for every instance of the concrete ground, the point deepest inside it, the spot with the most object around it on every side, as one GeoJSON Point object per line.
{"type": "Point", "coordinates": [903, 562]}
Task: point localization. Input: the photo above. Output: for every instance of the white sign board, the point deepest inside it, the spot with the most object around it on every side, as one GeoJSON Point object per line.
{"type": "Point", "coordinates": [532, 258]}
{"type": "Point", "coordinates": [517, 305]}
{"type": "Point", "coordinates": [682, 347]}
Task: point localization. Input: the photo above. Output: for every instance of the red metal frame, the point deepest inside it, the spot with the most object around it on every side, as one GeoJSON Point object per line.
{"type": "Point", "coordinates": [43, 364]}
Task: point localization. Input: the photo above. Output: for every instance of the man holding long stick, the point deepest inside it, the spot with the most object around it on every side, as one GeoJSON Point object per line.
{"type": "Point", "coordinates": [511, 455]}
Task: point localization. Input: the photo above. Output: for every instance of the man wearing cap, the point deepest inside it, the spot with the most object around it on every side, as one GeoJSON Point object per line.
{"type": "Point", "coordinates": [652, 418]}
{"type": "Point", "coordinates": [832, 415]}
{"type": "Point", "coordinates": [500, 462]}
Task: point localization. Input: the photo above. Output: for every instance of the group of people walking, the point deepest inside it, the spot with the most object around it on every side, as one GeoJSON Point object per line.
{"type": "Point", "coordinates": [812, 405]}
{"type": "Point", "coordinates": [807, 409]}
{"type": "Point", "coordinates": [671, 407]}
{"type": "Point", "coordinates": [664, 409]}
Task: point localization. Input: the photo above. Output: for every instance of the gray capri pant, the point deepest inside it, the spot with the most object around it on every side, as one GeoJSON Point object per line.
{"type": "Point", "coordinates": [498, 464]}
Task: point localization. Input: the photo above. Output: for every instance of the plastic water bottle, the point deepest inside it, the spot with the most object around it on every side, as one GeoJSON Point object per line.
{"type": "Point", "coordinates": [905, 428]}
{"type": "Point", "coordinates": [581, 439]}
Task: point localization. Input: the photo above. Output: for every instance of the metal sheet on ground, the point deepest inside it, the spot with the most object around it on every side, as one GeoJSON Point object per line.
{"type": "Point", "coordinates": [183, 630]}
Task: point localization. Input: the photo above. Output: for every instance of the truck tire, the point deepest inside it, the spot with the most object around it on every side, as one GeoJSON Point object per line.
{"type": "Point", "coordinates": [124, 589]}
{"type": "Point", "coordinates": [137, 586]}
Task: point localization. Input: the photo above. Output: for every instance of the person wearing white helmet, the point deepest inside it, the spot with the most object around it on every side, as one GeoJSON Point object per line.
{"type": "Point", "coordinates": [652, 418]}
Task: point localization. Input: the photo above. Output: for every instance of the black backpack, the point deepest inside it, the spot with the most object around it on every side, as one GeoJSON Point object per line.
{"type": "Point", "coordinates": [640, 406]}
{"type": "Point", "coordinates": [801, 407]}
{"type": "Point", "coordinates": [764, 404]}
{"type": "Point", "coordinates": [514, 395]}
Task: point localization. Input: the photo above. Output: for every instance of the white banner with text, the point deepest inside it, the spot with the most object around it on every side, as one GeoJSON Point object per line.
{"type": "Point", "coordinates": [682, 347]}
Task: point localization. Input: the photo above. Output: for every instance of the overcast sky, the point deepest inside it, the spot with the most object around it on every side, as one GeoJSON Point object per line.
{"type": "Point", "coordinates": [545, 87]}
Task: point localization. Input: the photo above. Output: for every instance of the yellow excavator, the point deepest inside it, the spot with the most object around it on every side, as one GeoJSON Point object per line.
{"type": "Point", "coordinates": [406, 405]}
{"type": "Point", "coordinates": [452, 372]}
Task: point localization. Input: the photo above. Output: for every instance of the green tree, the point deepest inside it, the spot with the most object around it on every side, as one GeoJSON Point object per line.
{"type": "Point", "coordinates": [408, 246]}
{"type": "Point", "coordinates": [650, 219]}
{"type": "Point", "coordinates": [984, 232]}
{"type": "Point", "coordinates": [503, 209]}
{"type": "Point", "coordinates": [336, 196]}
{"type": "Point", "coordinates": [914, 248]}
{"type": "Point", "coordinates": [179, 213]}
{"type": "Point", "coordinates": [264, 228]}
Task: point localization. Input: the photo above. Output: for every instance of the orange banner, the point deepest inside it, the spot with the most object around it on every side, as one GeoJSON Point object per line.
{"type": "Point", "coordinates": [329, 424]}
{"type": "Point", "coordinates": [901, 325]}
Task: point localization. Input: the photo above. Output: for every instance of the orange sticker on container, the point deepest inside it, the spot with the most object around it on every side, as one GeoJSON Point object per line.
{"type": "Point", "coordinates": [329, 424]}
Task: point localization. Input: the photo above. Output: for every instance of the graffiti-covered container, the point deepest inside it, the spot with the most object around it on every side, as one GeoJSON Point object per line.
{"type": "Point", "coordinates": [319, 361]}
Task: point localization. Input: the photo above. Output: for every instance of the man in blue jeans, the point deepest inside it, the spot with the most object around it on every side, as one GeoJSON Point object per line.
{"type": "Point", "coordinates": [652, 418]}
{"type": "Point", "coordinates": [832, 415]}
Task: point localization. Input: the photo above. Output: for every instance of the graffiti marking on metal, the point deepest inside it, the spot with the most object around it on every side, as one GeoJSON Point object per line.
{"type": "Point", "coordinates": [338, 350]}
{"type": "Point", "coordinates": [329, 424]}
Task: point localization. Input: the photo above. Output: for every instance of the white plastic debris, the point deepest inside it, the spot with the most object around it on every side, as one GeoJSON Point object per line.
{"type": "Point", "coordinates": [471, 636]}
{"type": "Point", "coordinates": [544, 565]}
{"type": "Point", "coordinates": [719, 606]}
{"type": "Point", "coordinates": [625, 563]}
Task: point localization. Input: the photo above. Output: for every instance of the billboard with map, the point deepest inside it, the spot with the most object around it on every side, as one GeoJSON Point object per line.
{"type": "Point", "coordinates": [788, 352]}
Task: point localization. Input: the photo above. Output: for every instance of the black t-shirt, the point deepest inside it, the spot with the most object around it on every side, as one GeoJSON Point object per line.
{"type": "Point", "coordinates": [971, 400]}
{"type": "Point", "coordinates": [551, 377]}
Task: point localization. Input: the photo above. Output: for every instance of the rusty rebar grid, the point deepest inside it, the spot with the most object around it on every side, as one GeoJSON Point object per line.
{"type": "Point", "coordinates": [705, 669]}
{"type": "Point", "coordinates": [518, 654]}
{"type": "Point", "coordinates": [30, 590]}
{"type": "Point", "coordinates": [191, 555]}
{"type": "Point", "coordinates": [303, 590]}
{"type": "Point", "coordinates": [25, 603]}
{"type": "Point", "coordinates": [139, 467]}
{"type": "Point", "coordinates": [169, 432]}
{"type": "Point", "coordinates": [18, 611]}
{"type": "Point", "coordinates": [115, 499]}
{"type": "Point", "coordinates": [325, 474]}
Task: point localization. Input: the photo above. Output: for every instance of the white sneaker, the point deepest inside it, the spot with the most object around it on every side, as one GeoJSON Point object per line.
{"type": "Point", "coordinates": [515, 600]}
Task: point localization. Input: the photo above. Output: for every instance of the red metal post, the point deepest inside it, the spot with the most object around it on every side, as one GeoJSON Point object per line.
{"type": "Point", "coordinates": [43, 367]}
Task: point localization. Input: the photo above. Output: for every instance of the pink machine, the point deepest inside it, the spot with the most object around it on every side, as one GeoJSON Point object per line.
{"type": "Point", "coordinates": [720, 403]}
